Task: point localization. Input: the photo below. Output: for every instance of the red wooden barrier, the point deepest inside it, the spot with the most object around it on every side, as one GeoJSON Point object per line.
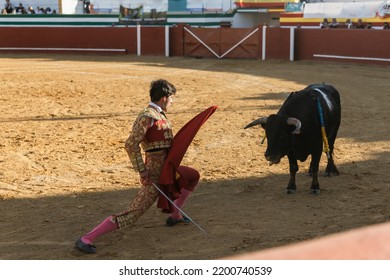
{"type": "Point", "coordinates": [355, 45]}
{"type": "Point", "coordinates": [363, 46]}
{"type": "Point", "coordinates": [278, 43]}
{"type": "Point", "coordinates": [74, 39]}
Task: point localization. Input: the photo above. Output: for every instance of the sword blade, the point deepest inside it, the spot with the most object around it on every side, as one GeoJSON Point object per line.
{"type": "Point", "coordinates": [181, 211]}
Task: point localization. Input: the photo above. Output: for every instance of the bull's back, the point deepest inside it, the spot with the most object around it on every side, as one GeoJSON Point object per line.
{"type": "Point", "coordinates": [331, 109]}
{"type": "Point", "coordinates": [303, 106]}
{"type": "Point", "coordinates": [299, 104]}
{"type": "Point", "coordinates": [328, 90]}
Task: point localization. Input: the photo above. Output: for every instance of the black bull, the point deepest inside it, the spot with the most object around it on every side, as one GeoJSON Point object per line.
{"type": "Point", "coordinates": [296, 130]}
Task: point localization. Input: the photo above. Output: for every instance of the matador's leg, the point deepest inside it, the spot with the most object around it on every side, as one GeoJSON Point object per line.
{"type": "Point", "coordinates": [144, 199]}
{"type": "Point", "coordinates": [188, 180]}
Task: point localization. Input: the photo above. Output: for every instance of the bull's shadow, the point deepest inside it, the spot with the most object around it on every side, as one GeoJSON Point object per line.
{"type": "Point", "coordinates": [268, 96]}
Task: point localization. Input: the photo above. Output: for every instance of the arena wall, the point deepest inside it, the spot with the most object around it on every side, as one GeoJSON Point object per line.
{"type": "Point", "coordinates": [277, 43]}
{"type": "Point", "coordinates": [362, 46]}
{"type": "Point", "coordinates": [82, 39]}
{"type": "Point", "coordinates": [355, 45]}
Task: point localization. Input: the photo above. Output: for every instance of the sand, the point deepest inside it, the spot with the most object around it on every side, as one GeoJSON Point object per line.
{"type": "Point", "coordinates": [63, 167]}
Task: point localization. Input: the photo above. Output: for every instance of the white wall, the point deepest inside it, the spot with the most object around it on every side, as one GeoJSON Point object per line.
{"type": "Point", "coordinates": [248, 20]}
{"type": "Point", "coordinates": [366, 9]}
{"type": "Point", "coordinates": [223, 5]}
{"type": "Point", "coordinates": [72, 7]}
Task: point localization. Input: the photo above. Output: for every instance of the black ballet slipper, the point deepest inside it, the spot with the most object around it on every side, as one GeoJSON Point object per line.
{"type": "Point", "coordinates": [86, 248]}
{"type": "Point", "coordinates": [171, 221]}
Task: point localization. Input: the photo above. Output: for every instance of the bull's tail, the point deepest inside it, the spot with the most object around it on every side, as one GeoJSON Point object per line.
{"type": "Point", "coordinates": [323, 131]}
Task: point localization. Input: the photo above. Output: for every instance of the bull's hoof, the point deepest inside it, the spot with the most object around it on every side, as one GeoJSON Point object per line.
{"type": "Point", "coordinates": [290, 191]}
{"type": "Point", "coordinates": [331, 170]}
{"type": "Point", "coordinates": [330, 174]}
{"type": "Point", "coordinates": [315, 191]}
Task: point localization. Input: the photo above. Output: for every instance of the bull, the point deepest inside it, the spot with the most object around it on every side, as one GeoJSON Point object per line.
{"type": "Point", "coordinates": [299, 128]}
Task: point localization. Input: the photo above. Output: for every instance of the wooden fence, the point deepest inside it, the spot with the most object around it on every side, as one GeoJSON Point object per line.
{"type": "Point", "coordinates": [261, 42]}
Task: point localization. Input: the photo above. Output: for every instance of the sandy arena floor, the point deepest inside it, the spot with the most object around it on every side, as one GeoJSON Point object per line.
{"type": "Point", "coordinates": [63, 168]}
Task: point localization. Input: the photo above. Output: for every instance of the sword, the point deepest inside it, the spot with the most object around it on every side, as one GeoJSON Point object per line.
{"type": "Point", "coordinates": [181, 211]}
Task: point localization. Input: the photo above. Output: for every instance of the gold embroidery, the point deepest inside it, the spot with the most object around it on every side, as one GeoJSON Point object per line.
{"type": "Point", "coordinates": [137, 139]}
{"type": "Point", "coordinates": [147, 195]}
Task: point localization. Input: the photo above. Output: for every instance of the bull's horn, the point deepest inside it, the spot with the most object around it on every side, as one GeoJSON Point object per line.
{"type": "Point", "coordinates": [297, 123]}
{"type": "Point", "coordinates": [262, 120]}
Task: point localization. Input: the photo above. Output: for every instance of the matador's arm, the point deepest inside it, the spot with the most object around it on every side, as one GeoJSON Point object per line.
{"type": "Point", "coordinates": [132, 144]}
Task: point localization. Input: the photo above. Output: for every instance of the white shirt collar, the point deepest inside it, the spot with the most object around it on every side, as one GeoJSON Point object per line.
{"type": "Point", "coordinates": [156, 107]}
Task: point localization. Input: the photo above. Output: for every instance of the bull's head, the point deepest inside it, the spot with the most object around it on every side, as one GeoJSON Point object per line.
{"type": "Point", "coordinates": [278, 130]}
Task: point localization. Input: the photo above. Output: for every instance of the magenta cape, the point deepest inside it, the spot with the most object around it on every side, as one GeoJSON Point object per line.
{"type": "Point", "coordinates": [180, 144]}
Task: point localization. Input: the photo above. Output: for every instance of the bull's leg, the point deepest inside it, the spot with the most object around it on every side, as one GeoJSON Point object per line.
{"type": "Point", "coordinates": [311, 169]}
{"type": "Point", "coordinates": [331, 168]}
{"type": "Point", "coordinates": [292, 187]}
{"type": "Point", "coordinates": [315, 185]}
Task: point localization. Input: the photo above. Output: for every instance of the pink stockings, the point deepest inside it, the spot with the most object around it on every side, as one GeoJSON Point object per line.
{"type": "Point", "coordinates": [188, 180]}
{"type": "Point", "coordinates": [180, 203]}
{"type": "Point", "coordinates": [106, 226]}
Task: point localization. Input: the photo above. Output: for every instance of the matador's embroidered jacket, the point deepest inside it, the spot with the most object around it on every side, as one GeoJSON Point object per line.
{"type": "Point", "coordinates": [152, 131]}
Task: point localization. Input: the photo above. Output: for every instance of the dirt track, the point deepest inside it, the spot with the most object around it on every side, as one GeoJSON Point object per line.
{"type": "Point", "coordinates": [63, 168]}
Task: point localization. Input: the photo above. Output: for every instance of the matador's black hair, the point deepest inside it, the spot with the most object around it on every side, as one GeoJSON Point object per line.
{"type": "Point", "coordinates": [160, 88]}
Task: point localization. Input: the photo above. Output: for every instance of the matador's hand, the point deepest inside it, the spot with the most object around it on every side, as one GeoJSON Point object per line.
{"type": "Point", "coordinates": [144, 177]}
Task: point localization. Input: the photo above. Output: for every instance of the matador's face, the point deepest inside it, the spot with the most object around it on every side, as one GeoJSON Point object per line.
{"type": "Point", "coordinates": [167, 102]}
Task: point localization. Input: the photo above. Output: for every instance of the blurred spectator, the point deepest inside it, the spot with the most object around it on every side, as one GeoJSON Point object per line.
{"type": "Point", "coordinates": [324, 23]}
{"type": "Point", "coordinates": [386, 26]}
{"type": "Point", "coordinates": [4, 12]}
{"type": "Point", "coordinates": [348, 23]}
{"type": "Point", "coordinates": [54, 12]}
{"type": "Point", "coordinates": [31, 11]}
{"type": "Point", "coordinates": [92, 10]}
{"type": "Point", "coordinates": [8, 7]}
{"type": "Point", "coordinates": [334, 23]}
{"type": "Point", "coordinates": [20, 9]}
{"type": "Point", "coordinates": [360, 24]}
{"type": "Point", "coordinates": [87, 7]}
{"type": "Point", "coordinates": [41, 11]}
{"type": "Point", "coordinates": [369, 25]}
